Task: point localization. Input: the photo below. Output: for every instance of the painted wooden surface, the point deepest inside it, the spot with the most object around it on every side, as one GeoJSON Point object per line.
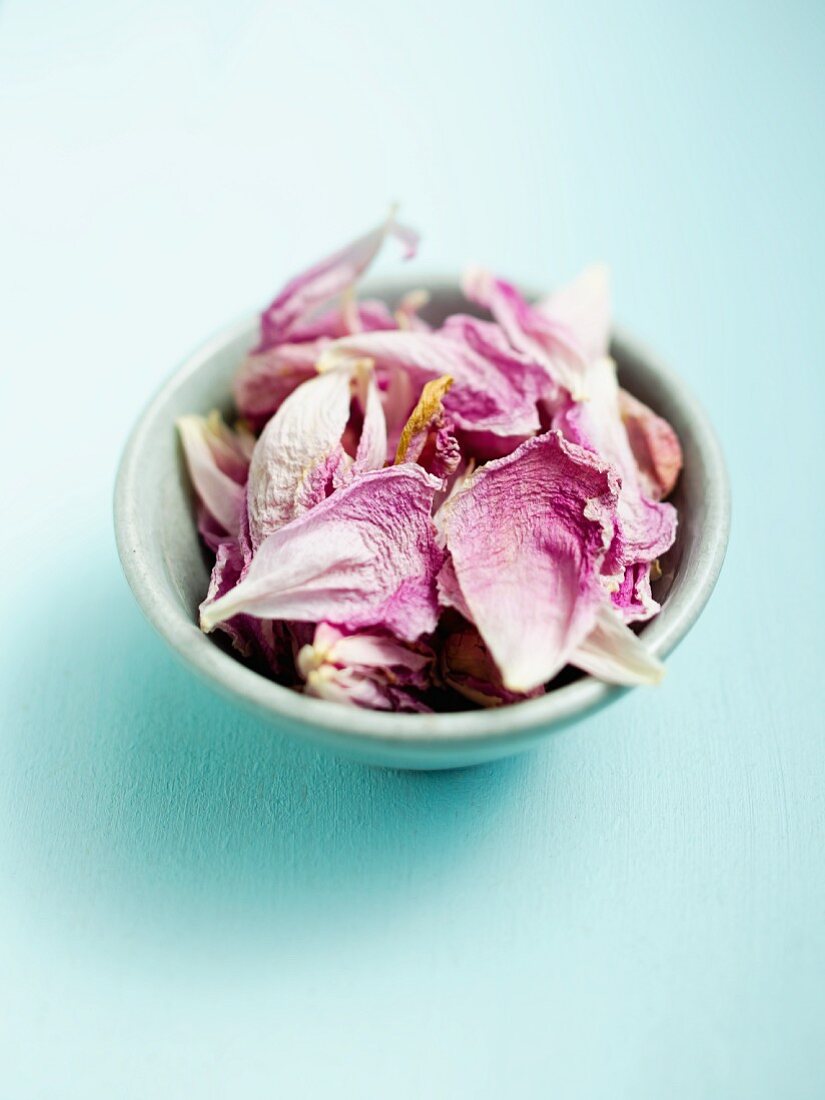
{"type": "Point", "coordinates": [190, 905]}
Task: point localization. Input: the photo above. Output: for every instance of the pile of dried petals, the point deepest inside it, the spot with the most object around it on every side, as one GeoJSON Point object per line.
{"type": "Point", "coordinates": [407, 517]}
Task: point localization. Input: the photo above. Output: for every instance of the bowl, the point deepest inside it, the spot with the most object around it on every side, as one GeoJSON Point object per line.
{"type": "Point", "coordinates": [168, 570]}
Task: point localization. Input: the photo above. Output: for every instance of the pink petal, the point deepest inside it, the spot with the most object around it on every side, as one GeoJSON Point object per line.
{"type": "Point", "coordinates": [654, 444]}
{"type": "Point", "coordinates": [326, 280]}
{"type": "Point", "coordinates": [633, 597]}
{"type": "Point", "coordinates": [427, 437]}
{"type": "Point", "coordinates": [546, 341]}
{"type": "Point", "coordinates": [483, 398]}
{"type": "Point", "coordinates": [372, 446]}
{"type": "Point", "coordinates": [365, 556]}
{"type": "Point", "coordinates": [266, 378]}
{"type": "Point", "coordinates": [343, 320]}
{"type": "Point", "coordinates": [583, 308]}
{"type": "Point", "coordinates": [298, 453]}
{"type": "Point", "coordinates": [365, 669]}
{"type": "Point", "coordinates": [216, 460]}
{"type": "Point", "coordinates": [647, 528]}
{"type": "Point", "coordinates": [527, 539]}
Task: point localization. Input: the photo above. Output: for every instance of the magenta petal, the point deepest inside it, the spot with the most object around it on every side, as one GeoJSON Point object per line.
{"type": "Point", "coordinates": [634, 597]}
{"type": "Point", "coordinates": [647, 528]}
{"type": "Point", "coordinates": [326, 280]}
{"type": "Point", "coordinates": [527, 539]}
{"type": "Point", "coordinates": [365, 556]}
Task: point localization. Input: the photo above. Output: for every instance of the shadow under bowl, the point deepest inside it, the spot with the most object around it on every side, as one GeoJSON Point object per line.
{"type": "Point", "coordinates": [168, 573]}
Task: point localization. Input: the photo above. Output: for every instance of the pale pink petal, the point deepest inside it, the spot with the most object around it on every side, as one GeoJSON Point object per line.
{"type": "Point", "coordinates": [527, 538]}
{"type": "Point", "coordinates": [326, 280]}
{"type": "Point", "coordinates": [612, 652]}
{"type": "Point", "coordinates": [546, 341]}
{"type": "Point", "coordinates": [583, 307]}
{"type": "Point", "coordinates": [371, 453]}
{"type": "Point", "coordinates": [298, 453]}
{"type": "Point", "coordinates": [215, 462]}
{"type": "Point", "coordinates": [266, 378]}
{"type": "Point", "coordinates": [654, 444]}
{"type": "Point", "coordinates": [365, 669]}
{"type": "Point", "coordinates": [342, 320]}
{"type": "Point", "coordinates": [365, 556]}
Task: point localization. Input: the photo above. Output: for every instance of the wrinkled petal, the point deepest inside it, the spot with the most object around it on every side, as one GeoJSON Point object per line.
{"type": "Point", "coordinates": [612, 652]}
{"type": "Point", "coordinates": [647, 528]}
{"type": "Point", "coordinates": [482, 397]}
{"type": "Point", "coordinates": [326, 280]}
{"type": "Point", "coordinates": [427, 437]}
{"type": "Point", "coordinates": [583, 307]}
{"type": "Point", "coordinates": [226, 573]}
{"type": "Point", "coordinates": [298, 453]}
{"type": "Point", "coordinates": [527, 539]}
{"type": "Point", "coordinates": [365, 669]}
{"type": "Point", "coordinates": [546, 341]}
{"type": "Point", "coordinates": [266, 378]}
{"type": "Point", "coordinates": [467, 667]}
{"type": "Point", "coordinates": [365, 556]}
{"type": "Point", "coordinates": [266, 644]}
{"type": "Point", "coordinates": [217, 461]}
{"type": "Point", "coordinates": [301, 457]}
{"type": "Point", "coordinates": [654, 444]}
{"type": "Point", "coordinates": [634, 597]}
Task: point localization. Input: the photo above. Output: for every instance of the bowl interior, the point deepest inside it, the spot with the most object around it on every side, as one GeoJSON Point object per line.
{"type": "Point", "coordinates": [169, 570]}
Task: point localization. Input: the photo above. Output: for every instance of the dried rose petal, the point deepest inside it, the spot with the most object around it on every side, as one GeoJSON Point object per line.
{"type": "Point", "coordinates": [365, 556]}
{"type": "Point", "coordinates": [326, 280]}
{"type": "Point", "coordinates": [300, 456]}
{"type": "Point", "coordinates": [427, 438]}
{"type": "Point", "coordinates": [365, 669]}
{"type": "Point", "coordinates": [218, 460]}
{"type": "Point", "coordinates": [654, 444]}
{"type": "Point", "coordinates": [527, 539]}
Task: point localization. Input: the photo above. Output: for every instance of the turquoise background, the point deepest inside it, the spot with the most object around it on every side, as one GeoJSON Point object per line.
{"type": "Point", "coordinates": [191, 906]}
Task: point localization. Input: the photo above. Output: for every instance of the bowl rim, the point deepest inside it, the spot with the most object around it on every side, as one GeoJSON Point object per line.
{"type": "Point", "coordinates": [514, 722]}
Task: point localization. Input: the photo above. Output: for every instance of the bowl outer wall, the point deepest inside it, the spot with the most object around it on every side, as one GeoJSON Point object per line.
{"type": "Point", "coordinates": [167, 572]}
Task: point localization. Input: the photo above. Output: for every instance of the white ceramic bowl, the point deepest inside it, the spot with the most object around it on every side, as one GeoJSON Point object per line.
{"type": "Point", "coordinates": [168, 572]}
